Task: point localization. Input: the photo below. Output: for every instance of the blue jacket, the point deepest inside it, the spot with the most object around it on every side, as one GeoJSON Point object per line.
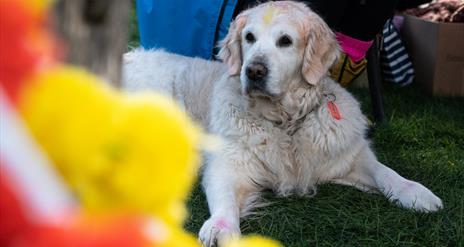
{"type": "Point", "coordinates": [187, 27]}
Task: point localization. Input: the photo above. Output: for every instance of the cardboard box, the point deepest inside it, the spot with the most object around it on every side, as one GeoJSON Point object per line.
{"type": "Point", "coordinates": [437, 54]}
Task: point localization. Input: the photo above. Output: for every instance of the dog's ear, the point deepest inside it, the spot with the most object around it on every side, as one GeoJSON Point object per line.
{"type": "Point", "coordinates": [321, 52]}
{"type": "Point", "coordinates": [230, 52]}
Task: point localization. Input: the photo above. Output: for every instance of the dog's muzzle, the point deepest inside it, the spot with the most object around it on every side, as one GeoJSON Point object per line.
{"type": "Point", "coordinates": [256, 74]}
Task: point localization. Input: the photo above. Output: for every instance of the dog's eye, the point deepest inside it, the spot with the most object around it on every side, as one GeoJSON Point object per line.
{"type": "Point", "coordinates": [250, 38]}
{"type": "Point", "coordinates": [284, 41]}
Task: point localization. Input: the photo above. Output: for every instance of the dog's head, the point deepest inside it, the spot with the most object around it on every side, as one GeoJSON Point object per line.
{"type": "Point", "coordinates": [277, 44]}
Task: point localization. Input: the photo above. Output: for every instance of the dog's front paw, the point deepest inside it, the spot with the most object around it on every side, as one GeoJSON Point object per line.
{"type": "Point", "coordinates": [415, 196]}
{"type": "Point", "coordinates": [216, 230]}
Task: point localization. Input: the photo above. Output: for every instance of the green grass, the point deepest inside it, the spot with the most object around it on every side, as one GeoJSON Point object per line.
{"type": "Point", "coordinates": [422, 140]}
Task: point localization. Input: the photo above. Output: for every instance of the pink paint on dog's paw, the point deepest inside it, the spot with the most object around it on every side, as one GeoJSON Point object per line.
{"type": "Point", "coordinates": [222, 224]}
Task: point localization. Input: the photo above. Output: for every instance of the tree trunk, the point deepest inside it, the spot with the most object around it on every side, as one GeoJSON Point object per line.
{"type": "Point", "coordinates": [95, 34]}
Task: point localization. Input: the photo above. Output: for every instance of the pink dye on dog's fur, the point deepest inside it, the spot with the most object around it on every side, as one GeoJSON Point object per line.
{"type": "Point", "coordinates": [222, 224]}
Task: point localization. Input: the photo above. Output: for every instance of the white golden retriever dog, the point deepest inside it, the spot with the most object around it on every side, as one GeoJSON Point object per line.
{"type": "Point", "coordinates": [285, 124]}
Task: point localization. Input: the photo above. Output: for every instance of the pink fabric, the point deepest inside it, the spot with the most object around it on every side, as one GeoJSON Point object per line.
{"type": "Point", "coordinates": [354, 48]}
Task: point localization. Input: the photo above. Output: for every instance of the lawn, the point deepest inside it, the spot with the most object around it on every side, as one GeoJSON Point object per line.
{"type": "Point", "coordinates": [422, 139]}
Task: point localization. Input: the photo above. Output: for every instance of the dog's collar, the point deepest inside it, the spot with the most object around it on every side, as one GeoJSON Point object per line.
{"type": "Point", "coordinates": [331, 106]}
{"type": "Point", "coordinates": [296, 125]}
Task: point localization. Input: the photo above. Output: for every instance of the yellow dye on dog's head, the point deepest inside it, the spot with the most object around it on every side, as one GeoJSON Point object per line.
{"type": "Point", "coordinates": [270, 13]}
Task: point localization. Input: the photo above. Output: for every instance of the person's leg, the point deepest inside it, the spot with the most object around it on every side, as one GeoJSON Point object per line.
{"type": "Point", "coordinates": [363, 19]}
{"type": "Point", "coordinates": [361, 22]}
{"type": "Point", "coordinates": [356, 30]}
{"type": "Point", "coordinates": [332, 11]}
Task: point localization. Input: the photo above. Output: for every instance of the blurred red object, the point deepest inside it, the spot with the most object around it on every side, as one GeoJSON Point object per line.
{"type": "Point", "coordinates": [18, 231]}
{"type": "Point", "coordinates": [13, 222]}
{"type": "Point", "coordinates": [25, 44]}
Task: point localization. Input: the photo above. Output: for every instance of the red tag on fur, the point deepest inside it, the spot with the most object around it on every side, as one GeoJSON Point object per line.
{"type": "Point", "coordinates": [333, 108]}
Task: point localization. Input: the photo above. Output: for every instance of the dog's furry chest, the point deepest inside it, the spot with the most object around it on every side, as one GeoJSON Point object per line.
{"type": "Point", "coordinates": [294, 159]}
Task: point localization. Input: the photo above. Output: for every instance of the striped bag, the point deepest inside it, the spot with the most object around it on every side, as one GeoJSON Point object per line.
{"type": "Point", "coordinates": [395, 62]}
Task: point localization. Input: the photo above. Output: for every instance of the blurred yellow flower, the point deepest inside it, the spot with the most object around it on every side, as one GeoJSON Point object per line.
{"type": "Point", "coordinates": [135, 151]}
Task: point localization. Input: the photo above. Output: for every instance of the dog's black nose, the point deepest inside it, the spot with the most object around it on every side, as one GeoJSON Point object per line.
{"type": "Point", "coordinates": [256, 71]}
